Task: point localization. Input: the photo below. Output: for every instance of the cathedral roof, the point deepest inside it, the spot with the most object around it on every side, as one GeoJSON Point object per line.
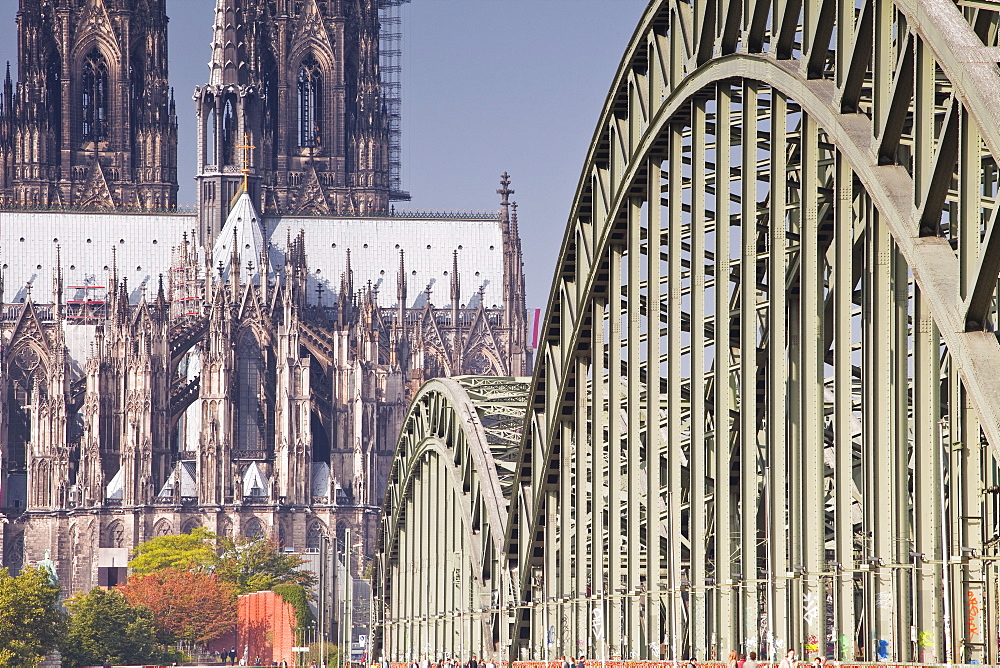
{"type": "Point", "coordinates": [375, 245]}
{"type": "Point", "coordinates": [90, 245]}
{"type": "Point", "coordinates": [243, 227]}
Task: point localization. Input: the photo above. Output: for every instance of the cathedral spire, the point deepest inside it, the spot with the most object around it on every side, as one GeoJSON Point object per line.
{"type": "Point", "coordinates": [505, 192]}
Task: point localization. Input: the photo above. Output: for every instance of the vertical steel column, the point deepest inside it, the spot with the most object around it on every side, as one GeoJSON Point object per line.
{"type": "Point", "coordinates": [632, 649]}
{"type": "Point", "coordinates": [616, 509]}
{"type": "Point", "coordinates": [843, 410]}
{"type": "Point", "coordinates": [811, 380]}
{"type": "Point", "coordinates": [675, 228]}
{"type": "Point", "coordinates": [581, 463]}
{"type": "Point", "coordinates": [969, 602]}
{"type": "Point", "coordinates": [902, 581]}
{"type": "Point", "coordinates": [696, 514]}
{"type": "Point", "coordinates": [880, 479]}
{"type": "Point", "coordinates": [563, 577]}
{"type": "Point", "coordinates": [654, 375]}
{"type": "Point", "coordinates": [749, 486]}
{"type": "Point", "coordinates": [722, 380]}
{"type": "Point", "coordinates": [777, 490]}
{"type": "Point", "coordinates": [598, 474]}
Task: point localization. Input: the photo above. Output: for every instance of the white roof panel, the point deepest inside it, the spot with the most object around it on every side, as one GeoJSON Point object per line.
{"type": "Point", "coordinates": [375, 245]}
{"type": "Point", "coordinates": [142, 242]}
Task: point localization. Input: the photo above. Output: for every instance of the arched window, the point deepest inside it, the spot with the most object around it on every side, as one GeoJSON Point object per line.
{"type": "Point", "coordinates": [211, 136]}
{"type": "Point", "coordinates": [114, 535]}
{"type": "Point", "coordinates": [162, 528]}
{"type": "Point", "coordinates": [310, 103]}
{"type": "Point", "coordinates": [229, 132]}
{"type": "Point", "coordinates": [342, 541]}
{"type": "Point", "coordinates": [251, 404]}
{"type": "Point", "coordinates": [53, 94]}
{"type": "Point", "coordinates": [254, 528]}
{"type": "Point", "coordinates": [94, 100]}
{"type": "Point", "coordinates": [314, 536]}
{"type": "Point", "coordinates": [190, 525]}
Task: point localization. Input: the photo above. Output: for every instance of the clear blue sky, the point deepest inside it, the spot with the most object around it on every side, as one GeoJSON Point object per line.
{"type": "Point", "coordinates": [488, 86]}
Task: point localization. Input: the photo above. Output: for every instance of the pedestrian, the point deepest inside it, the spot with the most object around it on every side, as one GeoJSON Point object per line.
{"type": "Point", "coordinates": [472, 661]}
{"type": "Point", "coordinates": [752, 661]}
{"type": "Point", "coordinates": [733, 659]}
{"type": "Point", "coordinates": [742, 660]}
{"type": "Point", "coordinates": [491, 664]}
{"type": "Point", "coordinates": [581, 662]}
{"type": "Point", "coordinates": [425, 662]}
{"type": "Point", "coordinates": [819, 662]}
{"type": "Point", "coordinates": [564, 662]}
{"type": "Point", "coordinates": [789, 660]}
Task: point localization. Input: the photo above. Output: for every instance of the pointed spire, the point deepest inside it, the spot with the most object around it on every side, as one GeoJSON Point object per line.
{"type": "Point", "coordinates": [505, 192]}
{"type": "Point", "coordinates": [401, 283]}
{"type": "Point", "coordinates": [456, 286]}
{"type": "Point", "coordinates": [229, 31]}
{"type": "Point", "coordinates": [349, 275]}
{"type": "Point", "coordinates": [57, 282]}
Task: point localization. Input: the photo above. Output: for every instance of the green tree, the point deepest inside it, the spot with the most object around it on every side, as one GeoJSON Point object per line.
{"type": "Point", "coordinates": [103, 626]}
{"type": "Point", "coordinates": [30, 618]}
{"type": "Point", "coordinates": [193, 551]}
{"type": "Point", "coordinates": [258, 564]}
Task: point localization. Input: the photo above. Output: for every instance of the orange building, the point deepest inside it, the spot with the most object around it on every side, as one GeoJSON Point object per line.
{"type": "Point", "coordinates": [266, 629]}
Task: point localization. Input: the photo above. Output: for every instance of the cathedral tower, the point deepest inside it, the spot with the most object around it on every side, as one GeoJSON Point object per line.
{"type": "Point", "coordinates": [296, 84]}
{"type": "Point", "coordinates": [91, 122]}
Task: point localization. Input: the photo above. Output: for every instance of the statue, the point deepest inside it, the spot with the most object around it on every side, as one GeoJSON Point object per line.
{"type": "Point", "coordinates": [49, 566]}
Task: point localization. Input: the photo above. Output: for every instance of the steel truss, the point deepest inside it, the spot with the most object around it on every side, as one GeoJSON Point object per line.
{"type": "Point", "coordinates": [844, 156]}
{"type": "Point", "coordinates": [442, 582]}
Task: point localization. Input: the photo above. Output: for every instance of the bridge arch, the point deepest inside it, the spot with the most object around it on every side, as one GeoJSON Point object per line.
{"type": "Point", "coordinates": [442, 584]}
{"type": "Point", "coordinates": [825, 428]}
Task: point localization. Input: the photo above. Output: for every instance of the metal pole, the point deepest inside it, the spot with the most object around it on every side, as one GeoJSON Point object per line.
{"type": "Point", "coordinates": [948, 649]}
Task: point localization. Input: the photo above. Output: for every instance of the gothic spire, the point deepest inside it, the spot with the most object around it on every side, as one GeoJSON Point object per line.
{"type": "Point", "coordinates": [229, 42]}
{"type": "Point", "coordinates": [505, 192]}
{"type": "Point", "coordinates": [456, 286]}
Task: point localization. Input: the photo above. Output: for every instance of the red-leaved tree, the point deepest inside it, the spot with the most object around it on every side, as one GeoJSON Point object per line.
{"type": "Point", "coordinates": [186, 605]}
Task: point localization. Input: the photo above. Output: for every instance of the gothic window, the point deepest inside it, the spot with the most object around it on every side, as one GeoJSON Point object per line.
{"type": "Point", "coordinates": [190, 526]}
{"type": "Point", "coordinates": [162, 528]}
{"type": "Point", "coordinates": [226, 528]}
{"type": "Point", "coordinates": [114, 535]}
{"type": "Point", "coordinates": [251, 404]}
{"type": "Point", "coordinates": [94, 100]}
{"type": "Point", "coordinates": [26, 391]}
{"type": "Point", "coordinates": [310, 103]}
{"type": "Point", "coordinates": [211, 136]}
{"type": "Point", "coordinates": [314, 536]}
{"type": "Point", "coordinates": [137, 83]}
{"type": "Point", "coordinates": [254, 529]}
{"type": "Point", "coordinates": [14, 558]}
{"type": "Point", "coordinates": [341, 542]}
{"type": "Point", "coordinates": [229, 138]}
{"type": "Point", "coordinates": [53, 94]}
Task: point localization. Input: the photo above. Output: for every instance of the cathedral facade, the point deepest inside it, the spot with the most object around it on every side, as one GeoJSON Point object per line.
{"type": "Point", "coordinates": [246, 368]}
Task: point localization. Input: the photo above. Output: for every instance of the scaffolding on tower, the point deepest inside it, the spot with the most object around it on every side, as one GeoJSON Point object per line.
{"type": "Point", "coordinates": [391, 65]}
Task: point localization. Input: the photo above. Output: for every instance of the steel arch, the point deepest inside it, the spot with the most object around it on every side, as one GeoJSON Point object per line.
{"type": "Point", "coordinates": [441, 582]}
{"type": "Point", "coordinates": [860, 390]}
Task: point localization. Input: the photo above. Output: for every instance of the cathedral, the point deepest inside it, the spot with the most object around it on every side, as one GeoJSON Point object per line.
{"type": "Point", "coordinates": [245, 368]}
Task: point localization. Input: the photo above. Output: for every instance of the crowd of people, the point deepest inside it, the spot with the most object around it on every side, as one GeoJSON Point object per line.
{"type": "Point", "coordinates": [449, 662]}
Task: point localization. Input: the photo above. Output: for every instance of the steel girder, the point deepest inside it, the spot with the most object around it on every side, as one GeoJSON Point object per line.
{"type": "Point", "coordinates": [783, 253]}
{"type": "Point", "coordinates": [441, 587]}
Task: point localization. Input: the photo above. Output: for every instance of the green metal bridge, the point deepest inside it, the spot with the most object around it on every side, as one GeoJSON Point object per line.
{"type": "Point", "coordinates": [766, 411]}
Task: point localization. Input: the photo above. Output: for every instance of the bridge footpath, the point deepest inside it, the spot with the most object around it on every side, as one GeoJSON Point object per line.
{"type": "Point", "coordinates": [617, 663]}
